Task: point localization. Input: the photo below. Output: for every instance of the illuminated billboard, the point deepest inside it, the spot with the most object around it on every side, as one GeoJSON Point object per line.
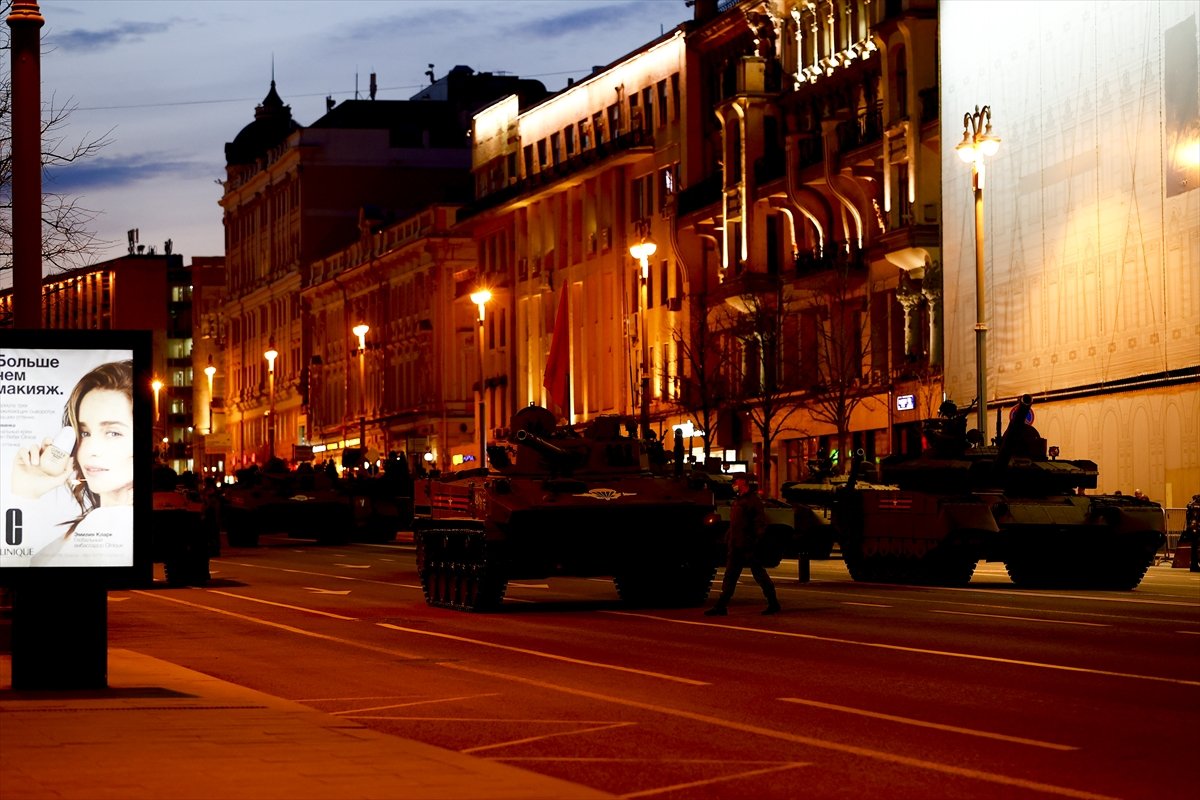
{"type": "Point", "coordinates": [75, 449]}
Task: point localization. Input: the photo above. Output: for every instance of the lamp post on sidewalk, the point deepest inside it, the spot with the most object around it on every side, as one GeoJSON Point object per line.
{"type": "Point", "coordinates": [360, 330]}
{"type": "Point", "coordinates": [642, 250]}
{"type": "Point", "coordinates": [480, 298]}
{"type": "Point", "coordinates": [979, 142]}
{"type": "Point", "coordinates": [210, 371]}
{"type": "Point", "coordinates": [271, 354]}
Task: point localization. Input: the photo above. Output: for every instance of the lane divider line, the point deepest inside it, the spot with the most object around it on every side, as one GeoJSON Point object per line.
{"type": "Point", "coordinates": [919, 650]}
{"type": "Point", "coordinates": [387, 651]}
{"type": "Point", "coordinates": [329, 614]}
{"type": "Point", "coordinates": [1021, 619]}
{"type": "Point", "coordinates": [924, 724]}
{"type": "Point", "coordinates": [709, 782]}
{"type": "Point", "coordinates": [542, 654]}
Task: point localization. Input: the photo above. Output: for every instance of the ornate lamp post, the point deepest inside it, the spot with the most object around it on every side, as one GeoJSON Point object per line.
{"type": "Point", "coordinates": [978, 142]}
{"type": "Point", "coordinates": [360, 330]}
{"type": "Point", "coordinates": [210, 371]}
{"type": "Point", "coordinates": [271, 354]}
{"type": "Point", "coordinates": [642, 250]}
{"type": "Point", "coordinates": [480, 298]}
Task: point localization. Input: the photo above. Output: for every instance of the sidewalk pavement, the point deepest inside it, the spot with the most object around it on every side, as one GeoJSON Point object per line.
{"type": "Point", "coordinates": [163, 731]}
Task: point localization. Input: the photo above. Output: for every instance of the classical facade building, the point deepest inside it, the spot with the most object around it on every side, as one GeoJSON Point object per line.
{"type": "Point", "coordinates": [393, 343]}
{"type": "Point", "coordinates": [294, 195]}
{"type": "Point", "coordinates": [563, 191]}
{"type": "Point", "coordinates": [809, 208]}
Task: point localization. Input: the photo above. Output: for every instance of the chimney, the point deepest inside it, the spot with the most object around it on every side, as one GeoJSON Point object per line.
{"type": "Point", "coordinates": [704, 10]}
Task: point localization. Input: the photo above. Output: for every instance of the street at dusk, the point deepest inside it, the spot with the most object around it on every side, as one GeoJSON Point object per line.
{"type": "Point", "coordinates": [565, 400]}
{"type": "Point", "coordinates": [854, 690]}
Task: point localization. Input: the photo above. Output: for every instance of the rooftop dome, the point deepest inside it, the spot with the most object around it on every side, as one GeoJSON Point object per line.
{"type": "Point", "coordinates": [272, 124]}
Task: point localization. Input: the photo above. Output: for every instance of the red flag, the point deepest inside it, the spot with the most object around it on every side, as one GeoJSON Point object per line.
{"type": "Point", "coordinates": [558, 363]}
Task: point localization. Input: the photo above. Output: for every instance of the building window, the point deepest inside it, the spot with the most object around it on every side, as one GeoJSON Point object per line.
{"type": "Point", "coordinates": [662, 103]}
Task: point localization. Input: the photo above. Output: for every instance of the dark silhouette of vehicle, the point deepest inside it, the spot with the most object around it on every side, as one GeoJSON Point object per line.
{"type": "Point", "coordinates": [560, 503]}
{"type": "Point", "coordinates": [185, 532]}
{"type": "Point", "coordinates": [960, 502]}
{"type": "Point", "coordinates": [303, 504]}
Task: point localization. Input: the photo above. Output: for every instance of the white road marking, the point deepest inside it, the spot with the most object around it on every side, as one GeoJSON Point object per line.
{"type": "Point", "coordinates": [1022, 619]}
{"type": "Point", "coordinates": [864, 752]}
{"type": "Point", "coordinates": [387, 651]}
{"type": "Point", "coordinates": [923, 724]}
{"type": "Point", "coordinates": [280, 605]}
{"type": "Point", "coordinates": [541, 654]}
{"type": "Point", "coordinates": [736, 776]}
{"type": "Point", "coordinates": [530, 585]}
{"type": "Point", "coordinates": [903, 649]}
{"type": "Point", "coordinates": [528, 739]}
{"type": "Point", "coordinates": [410, 704]}
{"type": "Point", "coordinates": [354, 566]}
{"type": "Point", "coordinates": [316, 590]}
{"type": "Point", "coordinates": [868, 605]}
{"type": "Point", "coordinates": [1190, 633]}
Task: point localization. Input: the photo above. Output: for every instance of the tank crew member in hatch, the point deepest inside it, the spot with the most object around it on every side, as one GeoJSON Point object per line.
{"type": "Point", "coordinates": [95, 462]}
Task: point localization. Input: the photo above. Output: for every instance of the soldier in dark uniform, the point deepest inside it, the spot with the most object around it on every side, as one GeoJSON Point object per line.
{"type": "Point", "coordinates": [747, 525]}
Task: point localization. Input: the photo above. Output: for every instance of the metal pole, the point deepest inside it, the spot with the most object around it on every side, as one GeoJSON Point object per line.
{"type": "Point", "coordinates": [482, 402]}
{"type": "Point", "coordinates": [980, 315]}
{"type": "Point", "coordinates": [271, 427]}
{"type": "Point", "coordinates": [644, 413]}
{"type": "Point", "coordinates": [25, 20]}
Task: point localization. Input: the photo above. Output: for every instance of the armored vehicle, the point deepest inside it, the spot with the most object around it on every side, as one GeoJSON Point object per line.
{"type": "Point", "coordinates": [563, 503]}
{"type": "Point", "coordinates": [305, 505]}
{"type": "Point", "coordinates": [960, 502]}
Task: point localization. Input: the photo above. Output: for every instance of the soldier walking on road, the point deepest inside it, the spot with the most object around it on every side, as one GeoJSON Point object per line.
{"type": "Point", "coordinates": [747, 525]}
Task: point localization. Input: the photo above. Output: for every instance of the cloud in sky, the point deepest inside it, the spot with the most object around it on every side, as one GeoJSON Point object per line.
{"type": "Point", "coordinates": [121, 33]}
{"type": "Point", "coordinates": [112, 172]}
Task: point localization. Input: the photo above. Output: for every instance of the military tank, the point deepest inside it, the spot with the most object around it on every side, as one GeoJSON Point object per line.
{"type": "Point", "coordinates": [960, 502]}
{"type": "Point", "coordinates": [557, 502]}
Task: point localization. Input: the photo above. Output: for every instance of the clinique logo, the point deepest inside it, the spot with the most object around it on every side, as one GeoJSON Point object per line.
{"type": "Point", "coordinates": [14, 528]}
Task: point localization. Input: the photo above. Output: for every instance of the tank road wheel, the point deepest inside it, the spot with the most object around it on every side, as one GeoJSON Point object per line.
{"type": "Point", "coordinates": [1029, 572]}
{"type": "Point", "coordinates": [636, 587]}
{"type": "Point", "coordinates": [1120, 568]}
{"type": "Point", "coordinates": [949, 568]}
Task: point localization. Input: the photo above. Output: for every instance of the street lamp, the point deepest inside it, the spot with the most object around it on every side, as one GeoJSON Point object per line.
{"type": "Point", "coordinates": [157, 386]}
{"type": "Point", "coordinates": [978, 142]}
{"type": "Point", "coordinates": [480, 298]}
{"type": "Point", "coordinates": [642, 250]}
{"type": "Point", "coordinates": [210, 371]}
{"type": "Point", "coordinates": [271, 354]}
{"type": "Point", "coordinates": [360, 330]}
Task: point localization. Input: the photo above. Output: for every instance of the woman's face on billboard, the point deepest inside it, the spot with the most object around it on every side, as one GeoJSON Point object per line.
{"type": "Point", "coordinates": [105, 454]}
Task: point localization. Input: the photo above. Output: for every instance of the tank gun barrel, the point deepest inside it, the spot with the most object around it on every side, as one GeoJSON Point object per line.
{"type": "Point", "coordinates": [544, 447]}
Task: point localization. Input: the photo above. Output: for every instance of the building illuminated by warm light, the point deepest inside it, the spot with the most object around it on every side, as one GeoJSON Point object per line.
{"type": "Point", "coordinates": [1093, 227]}
{"type": "Point", "coordinates": [562, 192]}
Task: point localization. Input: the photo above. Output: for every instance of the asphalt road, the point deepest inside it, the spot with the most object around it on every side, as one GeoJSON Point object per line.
{"type": "Point", "coordinates": [855, 690]}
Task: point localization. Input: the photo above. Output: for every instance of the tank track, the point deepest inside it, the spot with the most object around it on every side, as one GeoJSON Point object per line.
{"type": "Point", "coordinates": [455, 571]}
{"type": "Point", "coordinates": [682, 585]}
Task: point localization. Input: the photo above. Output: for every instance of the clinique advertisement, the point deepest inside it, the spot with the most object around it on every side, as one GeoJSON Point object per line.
{"type": "Point", "coordinates": [67, 456]}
